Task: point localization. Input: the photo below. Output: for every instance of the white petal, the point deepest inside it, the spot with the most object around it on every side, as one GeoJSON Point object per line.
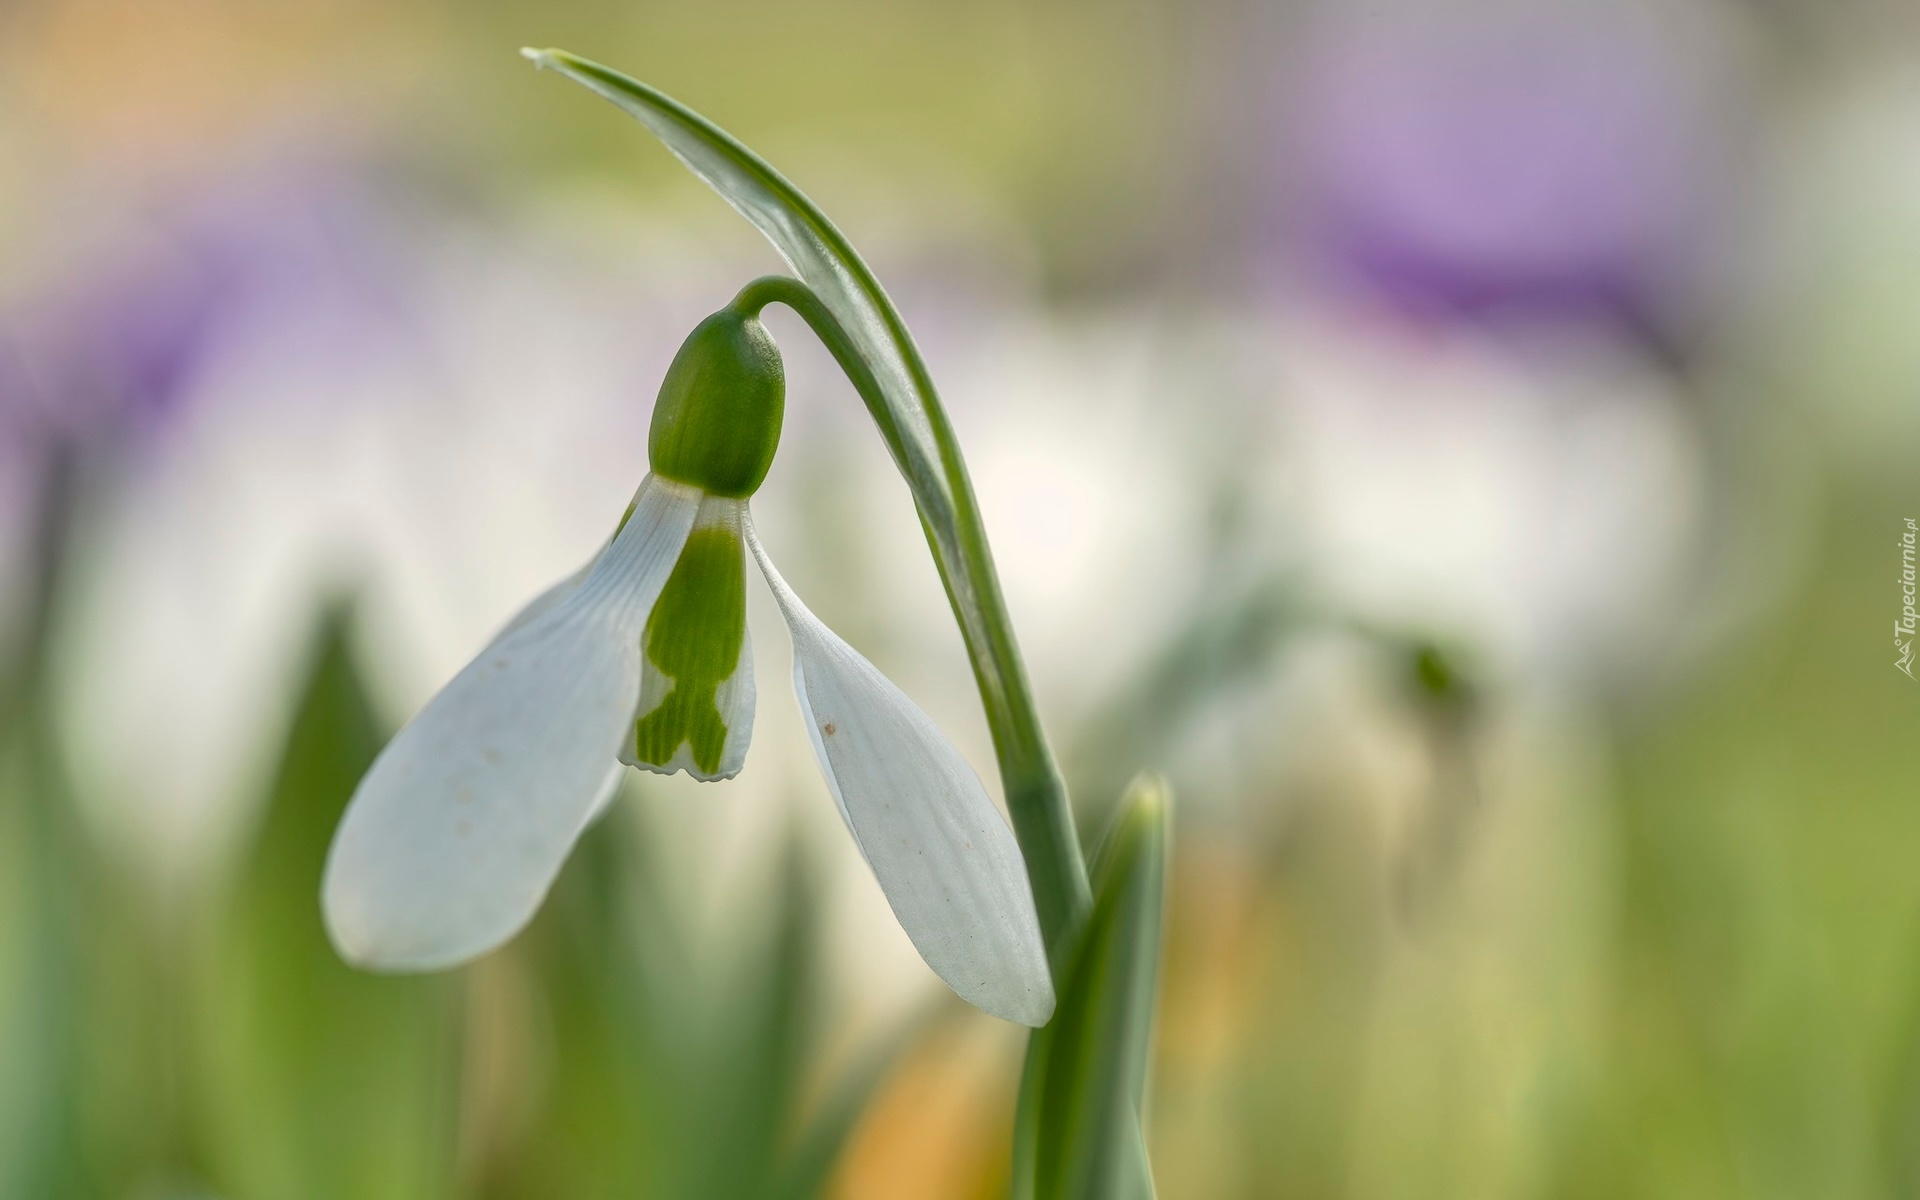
{"type": "Point", "coordinates": [463, 821]}
{"type": "Point", "coordinates": [545, 602]}
{"type": "Point", "coordinates": [550, 599]}
{"type": "Point", "coordinates": [945, 858]}
{"type": "Point", "coordinates": [539, 606]}
{"type": "Point", "coordinates": [734, 698]}
{"type": "Point", "coordinates": [609, 790]}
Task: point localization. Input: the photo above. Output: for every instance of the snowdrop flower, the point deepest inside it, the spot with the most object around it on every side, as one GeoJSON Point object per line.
{"type": "Point", "coordinates": [642, 658]}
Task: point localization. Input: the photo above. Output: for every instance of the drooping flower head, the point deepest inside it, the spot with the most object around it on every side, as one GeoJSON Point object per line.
{"type": "Point", "coordinates": [642, 657]}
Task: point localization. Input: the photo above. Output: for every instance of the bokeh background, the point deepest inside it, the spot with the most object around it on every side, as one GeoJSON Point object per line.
{"type": "Point", "coordinates": [1464, 446]}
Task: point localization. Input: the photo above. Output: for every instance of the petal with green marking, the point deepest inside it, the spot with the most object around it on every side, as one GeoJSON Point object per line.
{"type": "Point", "coordinates": [696, 681]}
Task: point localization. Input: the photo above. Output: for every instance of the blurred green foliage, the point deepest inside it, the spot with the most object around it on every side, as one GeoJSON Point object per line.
{"type": "Point", "coordinates": [316, 1079]}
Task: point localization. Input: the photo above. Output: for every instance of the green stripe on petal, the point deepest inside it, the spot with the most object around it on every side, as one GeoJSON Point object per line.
{"type": "Point", "coordinates": [697, 693]}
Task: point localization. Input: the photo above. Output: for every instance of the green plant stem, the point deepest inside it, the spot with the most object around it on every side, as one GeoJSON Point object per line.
{"type": "Point", "coordinates": [1036, 794]}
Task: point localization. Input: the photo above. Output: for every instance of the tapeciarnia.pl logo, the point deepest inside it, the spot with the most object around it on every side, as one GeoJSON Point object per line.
{"type": "Point", "coordinates": [1904, 627]}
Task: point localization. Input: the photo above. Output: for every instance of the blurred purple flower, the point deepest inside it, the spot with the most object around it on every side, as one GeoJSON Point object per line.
{"type": "Point", "coordinates": [111, 351]}
{"type": "Point", "coordinates": [116, 347]}
{"type": "Point", "coordinates": [1555, 165]}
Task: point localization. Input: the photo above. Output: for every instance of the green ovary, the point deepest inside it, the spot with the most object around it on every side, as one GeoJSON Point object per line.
{"type": "Point", "coordinates": [694, 638]}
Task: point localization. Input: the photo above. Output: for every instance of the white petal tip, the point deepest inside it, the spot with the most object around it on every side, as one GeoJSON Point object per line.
{"type": "Point", "coordinates": [690, 772]}
{"type": "Point", "coordinates": [1033, 1008]}
{"type": "Point", "coordinates": [381, 960]}
{"type": "Point", "coordinates": [681, 762]}
{"type": "Point", "coordinates": [386, 946]}
{"type": "Point", "coordinates": [1016, 988]}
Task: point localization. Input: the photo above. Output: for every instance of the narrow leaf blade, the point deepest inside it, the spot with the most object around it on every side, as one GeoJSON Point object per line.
{"type": "Point", "coordinates": [319, 1079]}
{"type": "Point", "coordinates": [1079, 1134]}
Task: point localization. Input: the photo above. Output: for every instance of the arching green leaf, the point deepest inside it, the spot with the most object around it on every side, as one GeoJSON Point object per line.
{"type": "Point", "coordinates": [1079, 1134]}
{"type": "Point", "coordinates": [821, 255]}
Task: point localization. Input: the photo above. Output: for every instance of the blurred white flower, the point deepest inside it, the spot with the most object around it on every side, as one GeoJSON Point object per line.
{"type": "Point", "coordinates": [286, 471]}
{"type": "Point", "coordinates": [1540, 509]}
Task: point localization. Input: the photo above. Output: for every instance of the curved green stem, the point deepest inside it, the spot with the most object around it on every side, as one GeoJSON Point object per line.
{"type": "Point", "coordinates": [1036, 794]}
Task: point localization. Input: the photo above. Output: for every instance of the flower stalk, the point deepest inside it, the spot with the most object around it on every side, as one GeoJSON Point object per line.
{"type": "Point", "coordinates": [1035, 792]}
